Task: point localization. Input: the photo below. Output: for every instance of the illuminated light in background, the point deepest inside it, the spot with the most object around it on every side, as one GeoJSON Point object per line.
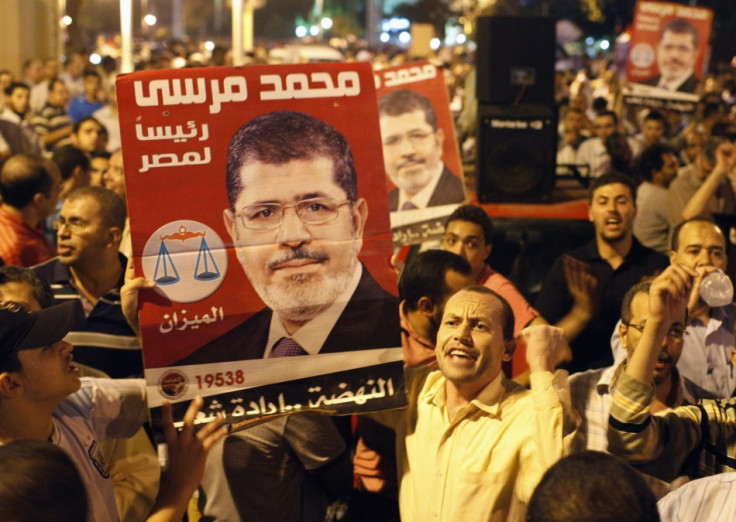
{"type": "Point", "coordinates": [95, 59]}
{"type": "Point", "coordinates": [385, 37]}
{"type": "Point", "coordinates": [314, 30]}
{"type": "Point", "coordinates": [66, 20]}
{"type": "Point", "coordinates": [589, 40]}
{"type": "Point", "coordinates": [605, 44]}
{"type": "Point", "coordinates": [326, 23]}
{"type": "Point", "coordinates": [434, 44]}
{"type": "Point", "coordinates": [399, 24]}
{"type": "Point", "coordinates": [209, 45]}
{"type": "Point", "coordinates": [461, 39]}
{"type": "Point", "coordinates": [404, 37]}
{"type": "Point", "coordinates": [301, 31]}
{"type": "Point", "coordinates": [150, 20]}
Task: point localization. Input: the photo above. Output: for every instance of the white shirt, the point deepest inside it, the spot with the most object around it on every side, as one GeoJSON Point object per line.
{"type": "Point", "coordinates": [421, 198]}
{"type": "Point", "coordinates": [675, 84]}
{"type": "Point", "coordinates": [314, 333]}
{"type": "Point", "coordinates": [709, 499]}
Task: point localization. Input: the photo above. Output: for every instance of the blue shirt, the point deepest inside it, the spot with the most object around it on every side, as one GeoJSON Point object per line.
{"type": "Point", "coordinates": [80, 108]}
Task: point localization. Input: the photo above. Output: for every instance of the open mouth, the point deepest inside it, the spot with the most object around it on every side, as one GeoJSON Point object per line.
{"type": "Point", "coordinates": [461, 357]}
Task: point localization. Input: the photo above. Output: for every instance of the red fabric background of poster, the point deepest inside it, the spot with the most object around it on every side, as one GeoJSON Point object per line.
{"type": "Point", "coordinates": [649, 18]}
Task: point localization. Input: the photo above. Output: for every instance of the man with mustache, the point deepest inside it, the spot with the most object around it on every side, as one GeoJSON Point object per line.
{"type": "Point", "coordinates": [412, 153]}
{"type": "Point", "coordinates": [297, 222]}
{"type": "Point", "coordinates": [617, 261]}
{"type": "Point", "coordinates": [677, 52]}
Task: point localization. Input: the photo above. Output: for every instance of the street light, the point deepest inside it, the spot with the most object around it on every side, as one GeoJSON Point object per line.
{"type": "Point", "coordinates": [150, 20]}
{"type": "Point", "coordinates": [326, 23]}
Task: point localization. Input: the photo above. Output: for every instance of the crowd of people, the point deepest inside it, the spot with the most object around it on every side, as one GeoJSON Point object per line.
{"type": "Point", "coordinates": [647, 365]}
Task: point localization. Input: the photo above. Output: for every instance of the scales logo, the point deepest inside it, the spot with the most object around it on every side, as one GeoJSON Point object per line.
{"type": "Point", "coordinates": [186, 259]}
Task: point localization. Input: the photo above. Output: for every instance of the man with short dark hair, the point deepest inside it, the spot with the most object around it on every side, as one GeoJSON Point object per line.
{"type": "Point", "coordinates": [29, 189]}
{"type": "Point", "coordinates": [657, 167]}
{"type": "Point", "coordinates": [653, 129]}
{"type": "Point", "coordinates": [593, 153]}
{"type": "Point", "coordinates": [52, 123]}
{"type": "Point", "coordinates": [677, 52]}
{"type": "Point", "coordinates": [616, 260]}
{"type": "Point", "coordinates": [86, 135]}
{"type": "Point", "coordinates": [412, 153]}
{"type": "Point", "coordinates": [297, 226]}
{"type": "Point", "coordinates": [16, 104]}
{"type": "Point", "coordinates": [703, 188]}
{"type": "Point", "coordinates": [89, 271]}
{"type": "Point", "coordinates": [466, 422]}
{"type": "Point", "coordinates": [592, 486]}
{"type": "Point", "coordinates": [88, 102]}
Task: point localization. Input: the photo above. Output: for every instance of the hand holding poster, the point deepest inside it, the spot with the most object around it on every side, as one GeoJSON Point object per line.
{"type": "Point", "coordinates": [669, 43]}
{"type": "Point", "coordinates": [420, 151]}
{"type": "Point", "coordinates": [265, 248]}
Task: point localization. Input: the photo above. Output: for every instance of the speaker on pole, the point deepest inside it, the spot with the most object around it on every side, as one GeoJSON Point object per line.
{"type": "Point", "coordinates": [517, 149]}
{"type": "Point", "coordinates": [515, 60]}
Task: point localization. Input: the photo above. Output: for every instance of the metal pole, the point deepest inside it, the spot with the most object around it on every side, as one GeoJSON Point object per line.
{"type": "Point", "coordinates": [126, 35]}
{"type": "Point", "coordinates": [60, 29]}
{"type": "Point", "coordinates": [237, 32]}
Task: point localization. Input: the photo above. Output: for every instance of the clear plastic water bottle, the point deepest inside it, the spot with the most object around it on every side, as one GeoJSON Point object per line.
{"type": "Point", "coordinates": [716, 289]}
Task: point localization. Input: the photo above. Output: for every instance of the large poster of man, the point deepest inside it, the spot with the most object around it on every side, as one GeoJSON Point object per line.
{"type": "Point", "coordinates": [420, 151]}
{"type": "Point", "coordinates": [669, 44]}
{"type": "Point", "coordinates": [273, 241]}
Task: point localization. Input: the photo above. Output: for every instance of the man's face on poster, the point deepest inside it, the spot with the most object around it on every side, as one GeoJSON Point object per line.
{"type": "Point", "coordinates": [676, 55]}
{"type": "Point", "coordinates": [296, 234]}
{"type": "Point", "coordinates": [412, 150]}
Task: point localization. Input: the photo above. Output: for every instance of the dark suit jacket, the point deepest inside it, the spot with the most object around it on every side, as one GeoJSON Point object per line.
{"type": "Point", "coordinates": [370, 320]}
{"type": "Point", "coordinates": [688, 86]}
{"type": "Point", "coordinates": [448, 190]}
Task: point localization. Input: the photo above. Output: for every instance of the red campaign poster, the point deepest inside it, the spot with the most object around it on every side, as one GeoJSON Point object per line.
{"type": "Point", "coordinates": [667, 57]}
{"type": "Point", "coordinates": [420, 152]}
{"type": "Point", "coordinates": [257, 204]}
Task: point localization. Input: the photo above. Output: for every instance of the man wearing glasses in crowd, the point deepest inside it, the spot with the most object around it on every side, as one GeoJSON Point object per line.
{"type": "Point", "coordinates": [297, 222]}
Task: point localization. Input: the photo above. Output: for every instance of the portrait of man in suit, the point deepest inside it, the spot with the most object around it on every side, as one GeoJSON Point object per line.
{"type": "Point", "coordinates": [412, 153]}
{"type": "Point", "coordinates": [677, 53]}
{"type": "Point", "coordinates": [296, 223]}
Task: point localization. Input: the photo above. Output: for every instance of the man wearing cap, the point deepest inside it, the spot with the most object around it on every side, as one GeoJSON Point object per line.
{"type": "Point", "coordinates": [42, 397]}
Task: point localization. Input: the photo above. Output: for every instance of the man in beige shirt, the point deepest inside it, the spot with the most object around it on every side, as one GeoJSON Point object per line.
{"type": "Point", "coordinates": [472, 445]}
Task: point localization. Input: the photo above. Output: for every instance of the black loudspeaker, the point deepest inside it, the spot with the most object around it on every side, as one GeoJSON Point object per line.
{"type": "Point", "coordinates": [517, 148]}
{"type": "Point", "coordinates": [515, 60]}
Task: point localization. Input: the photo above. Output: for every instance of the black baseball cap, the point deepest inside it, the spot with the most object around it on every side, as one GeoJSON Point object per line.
{"type": "Point", "coordinates": [21, 329]}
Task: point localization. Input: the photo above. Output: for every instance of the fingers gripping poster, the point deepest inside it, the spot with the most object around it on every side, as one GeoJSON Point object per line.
{"type": "Point", "coordinates": [257, 202]}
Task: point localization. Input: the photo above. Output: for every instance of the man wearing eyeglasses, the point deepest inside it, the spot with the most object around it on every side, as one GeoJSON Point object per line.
{"type": "Point", "coordinates": [89, 272]}
{"type": "Point", "coordinates": [296, 222]}
{"type": "Point", "coordinates": [592, 391]}
{"type": "Point", "coordinates": [412, 153]}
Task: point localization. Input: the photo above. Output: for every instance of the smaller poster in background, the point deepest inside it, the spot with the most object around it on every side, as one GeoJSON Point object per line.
{"type": "Point", "coordinates": [667, 57]}
{"type": "Point", "coordinates": [420, 152]}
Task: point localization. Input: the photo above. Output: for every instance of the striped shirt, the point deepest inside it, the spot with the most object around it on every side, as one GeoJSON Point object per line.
{"type": "Point", "coordinates": [711, 499]}
{"type": "Point", "coordinates": [101, 336]}
{"type": "Point", "coordinates": [51, 119]}
{"type": "Point", "coordinates": [695, 440]}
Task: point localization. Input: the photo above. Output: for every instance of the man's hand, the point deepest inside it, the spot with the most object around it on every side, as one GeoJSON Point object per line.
{"type": "Point", "coordinates": [546, 347]}
{"type": "Point", "coordinates": [726, 157]}
{"type": "Point", "coordinates": [187, 455]}
{"type": "Point", "coordinates": [129, 296]}
{"type": "Point", "coordinates": [670, 294]}
{"type": "Point", "coordinates": [581, 284]}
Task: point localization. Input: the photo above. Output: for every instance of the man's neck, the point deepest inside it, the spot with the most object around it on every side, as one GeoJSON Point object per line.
{"type": "Point", "coordinates": [421, 325]}
{"type": "Point", "coordinates": [662, 395]}
{"type": "Point", "coordinates": [94, 281]}
{"type": "Point", "coordinates": [458, 395]}
{"type": "Point", "coordinates": [23, 421]}
{"type": "Point", "coordinates": [27, 214]}
{"type": "Point", "coordinates": [615, 253]}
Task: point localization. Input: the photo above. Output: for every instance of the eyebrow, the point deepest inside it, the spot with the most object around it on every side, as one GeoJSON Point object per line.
{"type": "Point", "coordinates": [299, 197]}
